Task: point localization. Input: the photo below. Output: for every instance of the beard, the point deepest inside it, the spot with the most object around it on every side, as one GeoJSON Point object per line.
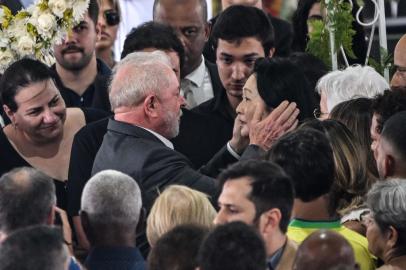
{"type": "Point", "coordinates": [171, 122]}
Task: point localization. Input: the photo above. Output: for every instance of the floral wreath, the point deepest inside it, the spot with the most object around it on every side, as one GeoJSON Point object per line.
{"type": "Point", "coordinates": [32, 32]}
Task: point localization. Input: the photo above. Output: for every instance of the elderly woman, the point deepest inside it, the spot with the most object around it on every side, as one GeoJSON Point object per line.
{"type": "Point", "coordinates": [175, 206]}
{"type": "Point", "coordinates": [273, 81]}
{"type": "Point", "coordinates": [352, 82]}
{"type": "Point", "coordinates": [386, 227]}
{"type": "Point", "coordinates": [108, 21]}
{"type": "Point", "coordinates": [42, 128]}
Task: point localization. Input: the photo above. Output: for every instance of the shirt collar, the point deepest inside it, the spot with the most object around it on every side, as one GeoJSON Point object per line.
{"type": "Point", "coordinates": [197, 75]}
{"type": "Point", "coordinates": [160, 137]}
{"type": "Point", "coordinates": [276, 257]}
{"type": "Point", "coordinates": [300, 223]}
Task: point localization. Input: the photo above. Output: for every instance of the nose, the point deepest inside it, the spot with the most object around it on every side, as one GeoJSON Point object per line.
{"type": "Point", "coordinates": [219, 219]}
{"type": "Point", "coordinates": [182, 101]}
{"type": "Point", "coordinates": [241, 107]}
{"type": "Point", "coordinates": [238, 72]}
{"type": "Point", "coordinates": [49, 117]}
{"type": "Point", "coordinates": [395, 79]}
{"type": "Point", "coordinates": [70, 37]}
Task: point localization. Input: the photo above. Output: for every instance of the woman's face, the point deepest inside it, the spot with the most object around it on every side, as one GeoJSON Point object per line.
{"type": "Point", "coordinates": [41, 111]}
{"type": "Point", "coordinates": [108, 32]}
{"type": "Point", "coordinates": [376, 238]}
{"type": "Point", "coordinates": [251, 104]}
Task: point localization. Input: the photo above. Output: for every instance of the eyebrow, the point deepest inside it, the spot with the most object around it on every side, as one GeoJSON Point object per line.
{"type": "Point", "coordinates": [29, 110]}
{"type": "Point", "coordinates": [247, 90]}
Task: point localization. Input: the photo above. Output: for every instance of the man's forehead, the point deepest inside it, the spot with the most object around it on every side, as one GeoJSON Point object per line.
{"type": "Point", "coordinates": [178, 15]}
{"type": "Point", "coordinates": [243, 47]}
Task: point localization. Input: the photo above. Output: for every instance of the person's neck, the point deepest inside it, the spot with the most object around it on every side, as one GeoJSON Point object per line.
{"type": "Point", "coordinates": [234, 101]}
{"type": "Point", "coordinates": [316, 210]}
{"type": "Point", "coordinates": [116, 240]}
{"type": "Point", "coordinates": [133, 116]}
{"type": "Point", "coordinates": [192, 68]}
{"type": "Point", "coordinates": [275, 243]}
{"type": "Point", "coordinates": [106, 55]}
{"type": "Point", "coordinates": [78, 80]}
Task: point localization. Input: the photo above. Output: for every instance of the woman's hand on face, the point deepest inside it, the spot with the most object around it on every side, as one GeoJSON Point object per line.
{"type": "Point", "coordinates": [238, 142]}
{"type": "Point", "coordinates": [264, 132]}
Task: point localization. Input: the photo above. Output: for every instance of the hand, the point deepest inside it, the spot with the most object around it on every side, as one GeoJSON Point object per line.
{"type": "Point", "coordinates": [238, 142]}
{"type": "Point", "coordinates": [280, 121]}
{"type": "Point", "coordinates": [66, 229]}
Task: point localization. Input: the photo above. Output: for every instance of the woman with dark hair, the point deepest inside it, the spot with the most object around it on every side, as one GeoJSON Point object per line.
{"type": "Point", "coordinates": [274, 80]}
{"type": "Point", "coordinates": [41, 131]}
{"type": "Point", "coordinates": [356, 114]}
{"type": "Point", "coordinates": [311, 10]}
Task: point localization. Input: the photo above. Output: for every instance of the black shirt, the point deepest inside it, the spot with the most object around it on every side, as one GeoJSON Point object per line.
{"type": "Point", "coordinates": [95, 96]}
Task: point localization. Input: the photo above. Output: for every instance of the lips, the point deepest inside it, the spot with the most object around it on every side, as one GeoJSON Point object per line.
{"type": "Point", "coordinates": [72, 50]}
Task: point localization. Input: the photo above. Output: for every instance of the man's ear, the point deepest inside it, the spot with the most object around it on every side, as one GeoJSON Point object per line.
{"type": "Point", "coordinates": [151, 105]}
{"type": "Point", "coordinates": [84, 219]}
{"type": "Point", "coordinates": [269, 221]}
{"type": "Point", "coordinates": [98, 31]}
{"type": "Point", "coordinates": [10, 114]}
{"type": "Point", "coordinates": [392, 237]}
{"type": "Point", "coordinates": [51, 216]}
{"type": "Point", "coordinates": [271, 52]}
{"type": "Point", "coordinates": [390, 165]}
{"type": "Point", "coordinates": [207, 31]}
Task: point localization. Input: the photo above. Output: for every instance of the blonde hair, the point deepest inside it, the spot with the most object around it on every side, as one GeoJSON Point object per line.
{"type": "Point", "coordinates": [175, 206]}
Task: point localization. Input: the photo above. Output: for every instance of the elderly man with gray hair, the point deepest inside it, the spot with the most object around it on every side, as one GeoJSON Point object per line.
{"type": "Point", "coordinates": [110, 212]}
{"type": "Point", "coordinates": [386, 227]}
{"type": "Point", "coordinates": [353, 82]}
{"type": "Point", "coordinates": [144, 96]}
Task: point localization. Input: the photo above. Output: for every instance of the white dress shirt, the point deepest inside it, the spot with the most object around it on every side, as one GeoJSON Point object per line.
{"type": "Point", "coordinates": [164, 140]}
{"type": "Point", "coordinates": [199, 82]}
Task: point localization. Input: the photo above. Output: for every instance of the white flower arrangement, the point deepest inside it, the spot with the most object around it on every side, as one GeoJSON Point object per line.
{"type": "Point", "coordinates": [32, 32]}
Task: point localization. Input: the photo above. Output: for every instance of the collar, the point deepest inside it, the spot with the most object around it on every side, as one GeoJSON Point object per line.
{"type": "Point", "coordinates": [160, 137]}
{"type": "Point", "coordinates": [134, 130]}
{"type": "Point", "coordinates": [307, 224]}
{"type": "Point", "coordinates": [273, 261]}
{"type": "Point", "coordinates": [197, 75]}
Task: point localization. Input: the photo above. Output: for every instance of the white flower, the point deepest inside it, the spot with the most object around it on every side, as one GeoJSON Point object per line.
{"type": "Point", "coordinates": [25, 45]}
{"type": "Point", "coordinates": [58, 7]}
{"type": "Point", "coordinates": [79, 9]}
{"type": "Point", "coordinates": [6, 58]}
{"type": "Point", "coordinates": [46, 25]}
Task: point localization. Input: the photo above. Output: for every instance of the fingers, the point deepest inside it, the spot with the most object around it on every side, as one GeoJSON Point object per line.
{"type": "Point", "coordinates": [279, 110]}
{"type": "Point", "coordinates": [287, 113]}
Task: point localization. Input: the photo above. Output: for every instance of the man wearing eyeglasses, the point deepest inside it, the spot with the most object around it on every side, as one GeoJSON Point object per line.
{"type": "Point", "coordinates": [399, 78]}
{"type": "Point", "coordinates": [80, 77]}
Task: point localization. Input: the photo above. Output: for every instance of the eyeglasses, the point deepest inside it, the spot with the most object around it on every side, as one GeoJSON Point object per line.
{"type": "Point", "coordinates": [318, 114]}
{"type": "Point", "coordinates": [112, 17]}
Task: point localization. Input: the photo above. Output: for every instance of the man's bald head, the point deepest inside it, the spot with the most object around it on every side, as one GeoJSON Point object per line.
{"type": "Point", "coordinates": [27, 197]}
{"type": "Point", "coordinates": [336, 252]}
{"type": "Point", "coordinates": [399, 78]}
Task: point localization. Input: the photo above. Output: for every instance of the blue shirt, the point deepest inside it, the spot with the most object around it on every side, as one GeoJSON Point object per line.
{"type": "Point", "coordinates": [108, 258]}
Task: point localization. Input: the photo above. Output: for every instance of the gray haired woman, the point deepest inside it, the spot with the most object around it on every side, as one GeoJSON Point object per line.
{"type": "Point", "coordinates": [386, 227]}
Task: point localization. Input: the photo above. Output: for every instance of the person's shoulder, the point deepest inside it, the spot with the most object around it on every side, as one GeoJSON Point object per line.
{"type": "Point", "coordinates": [206, 107]}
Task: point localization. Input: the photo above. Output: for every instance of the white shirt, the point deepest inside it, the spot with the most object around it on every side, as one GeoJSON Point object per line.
{"type": "Point", "coordinates": [164, 140]}
{"type": "Point", "coordinates": [200, 84]}
{"type": "Point", "coordinates": [133, 13]}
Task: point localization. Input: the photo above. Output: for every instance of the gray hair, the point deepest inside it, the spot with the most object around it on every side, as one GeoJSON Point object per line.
{"type": "Point", "coordinates": [387, 201]}
{"type": "Point", "coordinates": [137, 75]}
{"type": "Point", "coordinates": [37, 248]}
{"type": "Point", "coordinates": [26, 198]}
{"type": "Point", "coordinates": [112, 197]}
{"type": "Point", "coordinates": [353, 82]}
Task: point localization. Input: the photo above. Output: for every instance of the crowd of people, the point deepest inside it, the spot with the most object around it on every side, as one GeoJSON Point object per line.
{"type": "Point", "coordinates": [212, 144]}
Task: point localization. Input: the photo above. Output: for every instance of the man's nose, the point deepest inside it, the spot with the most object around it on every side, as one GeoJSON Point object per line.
{"type": "Point", "coordinates": [238, 72]}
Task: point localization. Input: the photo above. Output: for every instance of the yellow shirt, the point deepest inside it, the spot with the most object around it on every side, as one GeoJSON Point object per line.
{"type": "Point", "coordinates": [298, 230]}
